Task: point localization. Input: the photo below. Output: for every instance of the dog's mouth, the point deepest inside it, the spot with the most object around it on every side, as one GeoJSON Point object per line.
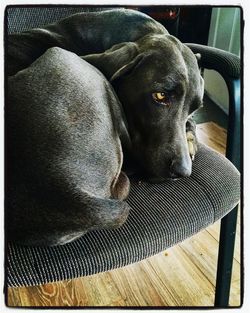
{"type": "Point", "coordinates": [159, 180]}
{"type": "Point", "coordinates": [138, 173]}
{"type": "Point", "coordinates": [167, 171]}
{"type": "Point", "coordinates": [152, 179]}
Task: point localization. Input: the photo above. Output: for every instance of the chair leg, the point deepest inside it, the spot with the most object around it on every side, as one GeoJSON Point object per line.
{"type": "Point", "coordinates": [225, 258]}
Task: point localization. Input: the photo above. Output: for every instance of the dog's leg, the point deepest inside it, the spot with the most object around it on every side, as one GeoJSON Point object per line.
{"type": "Point", "coordinates": [191, 137]}
{"type": "Point", "coordinates": [63, 152]}
{"type": "Point", "coordinates": [51, 219]}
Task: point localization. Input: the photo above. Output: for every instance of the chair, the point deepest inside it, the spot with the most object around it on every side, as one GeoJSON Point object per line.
{"type": "Point", "coordinates": [162, 214]}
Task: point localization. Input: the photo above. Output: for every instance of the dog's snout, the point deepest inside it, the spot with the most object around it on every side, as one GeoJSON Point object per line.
{"type": "Point", "coordinates": [180, 168]}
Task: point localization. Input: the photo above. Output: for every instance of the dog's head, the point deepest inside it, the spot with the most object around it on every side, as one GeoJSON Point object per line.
{"type": "Point", "coordinates": [158, 82]}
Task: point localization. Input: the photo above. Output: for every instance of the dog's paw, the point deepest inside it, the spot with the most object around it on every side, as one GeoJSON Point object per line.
{"type": "Point", "coordinates": [192, 144]}
{"type": "Point", "coordinates": [191, 138]}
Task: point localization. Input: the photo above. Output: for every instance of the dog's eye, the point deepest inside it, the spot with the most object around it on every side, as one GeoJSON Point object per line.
{"type": "Point", "coordinates": [161, 98]}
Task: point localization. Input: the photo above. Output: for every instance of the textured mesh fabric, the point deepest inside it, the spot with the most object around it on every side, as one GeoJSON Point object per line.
{"type": "Point", "coordinates": [161, 216]}
{"type": "Point", "coordinates": [23, 18]}
{"type": "Point", "coordinates": [224, 62]}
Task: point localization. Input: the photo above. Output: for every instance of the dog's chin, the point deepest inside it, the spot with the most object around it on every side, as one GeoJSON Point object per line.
{"type": "Point", "coordinates": [137, 172]}
{"type": "Point", "coordinates": [149, 178]}
{"type": "Point", "coordinates": [159, 180]}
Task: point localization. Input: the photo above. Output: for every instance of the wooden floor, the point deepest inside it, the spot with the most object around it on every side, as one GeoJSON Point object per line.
{"type": "Point", "coordinates": [183, 275]}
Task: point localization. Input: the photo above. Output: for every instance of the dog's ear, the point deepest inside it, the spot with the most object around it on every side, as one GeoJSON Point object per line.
{"type": "Point", "coordinates": [119, 118]}
{"type": "Point", "coordinates": [198, 58]}
{"type": "Point", "coordinates": [113, 59]}
{"type": "Point", "coordinates": [127, 68]}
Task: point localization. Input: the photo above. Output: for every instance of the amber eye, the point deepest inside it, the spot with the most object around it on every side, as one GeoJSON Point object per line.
{"type": "Point", "coordinates": [161, 97]}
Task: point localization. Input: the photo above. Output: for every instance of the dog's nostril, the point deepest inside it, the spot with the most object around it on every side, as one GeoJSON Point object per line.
{"type": "Point", "coordinates": [179, 169]}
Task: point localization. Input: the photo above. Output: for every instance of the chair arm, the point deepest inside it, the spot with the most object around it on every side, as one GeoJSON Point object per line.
{"type": "Point", "coordinates": [229, 66]}
{"type": "Point", "coordinates": [226, 63]}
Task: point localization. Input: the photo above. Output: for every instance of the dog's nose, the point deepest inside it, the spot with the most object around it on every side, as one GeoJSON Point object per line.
{"type": "Point", "coordinates": [180, 168]}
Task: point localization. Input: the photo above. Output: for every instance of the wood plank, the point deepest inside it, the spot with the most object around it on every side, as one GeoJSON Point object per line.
{"type": "Point", "coordinates": [214, 230]}
{"type": "Point", "coordinates": [13, 297]}
{"type": "Point", "coordinates": [212, 135]}
{"type": "Point", "coordinates": [203, 251]}
{"type": "Point", "coordinates": [187, 284]}
{"type": "Point", "coordinates": [235, 294]}
{"type": "Point", "coordinates": [136, 287]}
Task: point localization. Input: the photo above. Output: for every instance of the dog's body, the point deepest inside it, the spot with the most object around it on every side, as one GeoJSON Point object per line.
{"type": "Point", "coordinates": [83, 34]}
{"type": "Point", "coordinates": [155, 77]}
{"type": "Point", "coordinates": [141, 59]}
{"type": "Point", "coordinates": [64, 154]}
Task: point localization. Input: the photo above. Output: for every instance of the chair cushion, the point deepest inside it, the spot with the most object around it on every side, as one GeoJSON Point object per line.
{"type": "Point", "coordinates": [161, 216]}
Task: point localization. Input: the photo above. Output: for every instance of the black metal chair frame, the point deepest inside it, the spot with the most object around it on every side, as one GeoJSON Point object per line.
{"type": "Point", "coordinates": [228, 65]}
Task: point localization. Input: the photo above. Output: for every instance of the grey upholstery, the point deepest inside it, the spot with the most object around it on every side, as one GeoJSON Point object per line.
{"type": "Point", "coordinates": [216, 59]}
{"type": "Point", "coordinates": [23, 18]}
{"type": "Point", "coordinates": [161, 216]}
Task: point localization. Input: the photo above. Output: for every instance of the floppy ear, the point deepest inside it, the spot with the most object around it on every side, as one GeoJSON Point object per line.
{"type": "Point", "coordinates": [127, 68]}
{"type": "Point", "coordinates": [198, 58]}
{"type": "Point", "coordinates": [113, 59]}
{"type": "Point", "coordinates": [119, 119]}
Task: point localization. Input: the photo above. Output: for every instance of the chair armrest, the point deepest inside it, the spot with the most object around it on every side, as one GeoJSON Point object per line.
{"type": "Point", "coordinates": [229, 66]}
{"type": "Point", "coordinates": [226, 63]}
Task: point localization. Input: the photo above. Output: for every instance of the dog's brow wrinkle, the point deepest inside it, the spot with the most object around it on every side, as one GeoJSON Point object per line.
{"type": "Point", "coordinates": [176, 80]}
{"type": "Point", "coordinates": [182, 75]}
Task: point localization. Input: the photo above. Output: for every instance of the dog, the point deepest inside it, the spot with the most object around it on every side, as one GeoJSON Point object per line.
{"type": "Point", "coordinates": [64, 154]}
{"type": "Point", "coordinates": [64, 178]}
{"type": "Point", "coordinates": [154, 75]}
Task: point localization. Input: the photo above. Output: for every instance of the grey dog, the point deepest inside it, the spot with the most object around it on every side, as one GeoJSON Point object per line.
{"type": "Point", "coordinates": [64, 154]}
{"type": "Point", "coordinates": [155, 77]}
